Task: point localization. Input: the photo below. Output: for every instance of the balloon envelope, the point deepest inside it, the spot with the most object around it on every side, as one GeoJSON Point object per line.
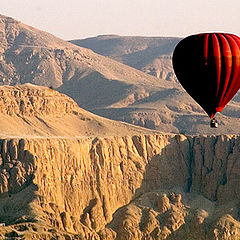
{"type": "Point", "coordinates": [208, 67]}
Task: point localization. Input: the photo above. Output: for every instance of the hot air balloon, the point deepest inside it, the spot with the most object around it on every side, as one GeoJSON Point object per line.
{"type": "Point", "coordinates": [208, 67]}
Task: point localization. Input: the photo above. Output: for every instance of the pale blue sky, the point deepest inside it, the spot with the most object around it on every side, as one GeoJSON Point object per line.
{"type": "Point", "coordinates": [72, 19]}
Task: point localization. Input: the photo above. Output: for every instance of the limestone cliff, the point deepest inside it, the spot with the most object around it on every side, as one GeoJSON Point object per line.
{"type": "Point", "coordinates": [133, 187]}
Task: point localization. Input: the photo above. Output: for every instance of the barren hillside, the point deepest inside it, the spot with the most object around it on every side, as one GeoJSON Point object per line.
{"type": "Point", "coordinates": [31, 55]}
{"type": "Point", "coordinates": [35, 111]}
{"type": "Point", "coordinates": [152, 55]}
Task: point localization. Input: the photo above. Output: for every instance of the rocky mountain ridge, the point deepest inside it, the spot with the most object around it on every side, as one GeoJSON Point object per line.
{"type": "Point", "coordinates": [34, 56]}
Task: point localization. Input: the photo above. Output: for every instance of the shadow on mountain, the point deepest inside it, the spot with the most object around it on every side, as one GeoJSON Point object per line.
{"type": "Point", "coordinates": [191, 123]}
{"type": "Point", "coordinates": [164, 172]}
{"type": "Point", "coordinates": [176, 199]}
{"type": "Point", "coordinates": [99, 46]}
{"type": "Point", "coordinates": [141, 58]}
{"type": "Point", "coordinates": [115, 113]}
{"type": "Point", "coordinates": [18, 191]}
{"type": "Point", "coordinates": [94, 90]}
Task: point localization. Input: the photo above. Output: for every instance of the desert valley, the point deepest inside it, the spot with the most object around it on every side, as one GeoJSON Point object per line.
{"type": "Point", "coordinates": [98, 140]}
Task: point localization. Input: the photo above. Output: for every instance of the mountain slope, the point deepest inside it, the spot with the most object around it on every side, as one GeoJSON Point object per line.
{"type": "Point", "coordinates": [29, 55]}
{"type": "Point", "coordinates": [152, 55]}
{"type": "Point", "coordinates": [165, 109]}
{"type": "Point", "coordinates": [24, 48]}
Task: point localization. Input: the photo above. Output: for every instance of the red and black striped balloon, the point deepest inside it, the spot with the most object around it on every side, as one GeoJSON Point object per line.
{"type": "Point", "coordinates": [208, 67]}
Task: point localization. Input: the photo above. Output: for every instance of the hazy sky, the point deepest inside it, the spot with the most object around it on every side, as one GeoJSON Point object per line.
{"type": "Point", "coordinates": [72, 19]}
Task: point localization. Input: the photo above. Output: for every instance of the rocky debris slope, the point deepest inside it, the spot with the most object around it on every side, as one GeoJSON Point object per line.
{"type": "Point", "coordinates": [133, 187]}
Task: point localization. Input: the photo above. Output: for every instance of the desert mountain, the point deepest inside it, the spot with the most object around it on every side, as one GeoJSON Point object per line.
{"type": "Point", "coordinates": [31, 55]}
{"type": "Point", "coordinates": [152, 55]}
{"type": "Point", "coordinates": [35, 111]}
{"type": "Point", "coordinates": [102, 85]}
{"type": "Point", "coordinates": [28, 55]}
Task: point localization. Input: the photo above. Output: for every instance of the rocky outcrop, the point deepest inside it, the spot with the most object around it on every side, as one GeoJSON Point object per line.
{"type": "Point", "coordinates": [32, 100]}
{"type": "Point", "coordinates": [152, 186]}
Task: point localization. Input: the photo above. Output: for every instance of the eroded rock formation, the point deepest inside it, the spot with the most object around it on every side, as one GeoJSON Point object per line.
{"type": "Point", "coordinates": [139, 187]}
{"type": "Point", "coordinates": [32, 100]}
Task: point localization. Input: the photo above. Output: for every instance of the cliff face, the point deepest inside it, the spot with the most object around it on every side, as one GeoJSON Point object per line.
{"type": "Point", "coordinates": [152, 186]}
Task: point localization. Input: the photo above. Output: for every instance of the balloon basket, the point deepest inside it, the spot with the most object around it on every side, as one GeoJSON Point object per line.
{"type": "Point", "coordinates": [213, 123]}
